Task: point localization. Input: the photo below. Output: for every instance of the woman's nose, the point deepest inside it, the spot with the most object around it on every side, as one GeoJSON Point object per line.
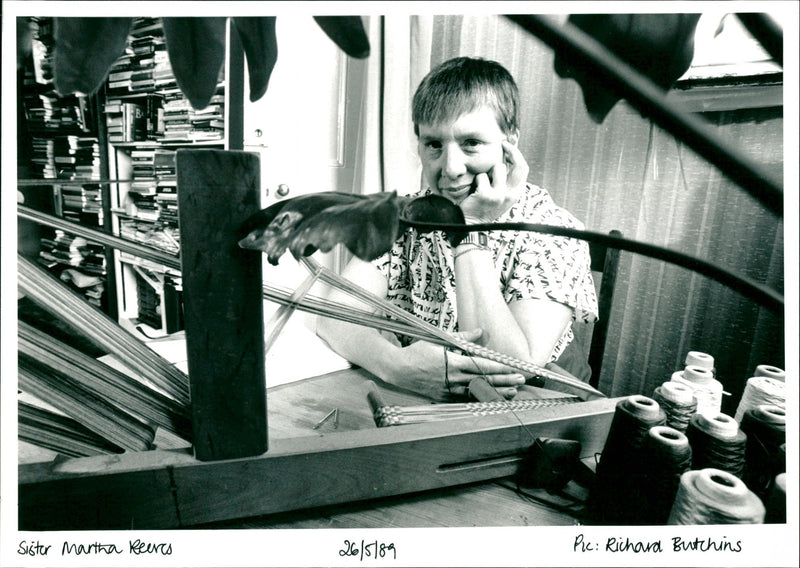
{"type": "Point", "coordinates": [453, 162]}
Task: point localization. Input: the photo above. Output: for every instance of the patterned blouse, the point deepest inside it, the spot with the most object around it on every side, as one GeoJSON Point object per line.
{"type": "Point", "coordinates": [421, 279]}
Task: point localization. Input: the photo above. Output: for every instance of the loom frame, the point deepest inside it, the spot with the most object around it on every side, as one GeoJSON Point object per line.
{"type": "Point", "coordinates": [170, 489]}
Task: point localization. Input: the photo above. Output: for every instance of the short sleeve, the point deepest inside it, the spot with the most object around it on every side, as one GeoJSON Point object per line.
{"type": "Point", "coordinates": [539, 266]}
{"type": "Point", "coordinates": [556, 268]}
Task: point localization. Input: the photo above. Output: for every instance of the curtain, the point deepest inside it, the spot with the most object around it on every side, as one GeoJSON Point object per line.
{"type": "Point", "coordinates": [624, 174]}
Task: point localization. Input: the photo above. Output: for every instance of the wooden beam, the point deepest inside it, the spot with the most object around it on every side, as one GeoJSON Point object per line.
{"type": "Point", "coordinates": [171, 489]}
{"type": "Point", "coordinates": [223, 308]}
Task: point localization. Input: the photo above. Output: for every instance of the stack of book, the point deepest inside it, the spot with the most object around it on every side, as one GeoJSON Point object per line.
{"type": "Point", "coordinates": [76, 157]}
{"type": "Point", "coordinates": [81, 203]}
{"type": "Point", "coordinates": [148, 299]}
{"type": "Point", "coordinates": [126, 121]}
{"type": "Point", "coordinates": [182, 123]}
{"type": "Point", "coordinates": [133, 71]}
{"type": "Point", "coordinates": [167, 194]}
{"type": "Point", "coordinates": [77, 262]}
{"type": "Point", "coordinates": [43, 163]}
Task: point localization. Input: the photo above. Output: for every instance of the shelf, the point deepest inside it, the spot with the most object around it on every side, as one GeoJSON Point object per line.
{"type": "Point", "coordinates": [169, 144]}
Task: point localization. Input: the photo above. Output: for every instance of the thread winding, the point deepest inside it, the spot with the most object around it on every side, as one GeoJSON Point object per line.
{"type": "Point", "coordinates": [615, 497]}
{"type": "Point", "coordinates": [700, 359]}
{"type": "Point", "coordinates": [776, 502]}
{"type": "Point", "coordinates": [765, 427]}
{"type": "Point", "coordinates": [714, 497]}
{"type": "Point", "coordinates": [678, 402]}
{"type": "Point", "coordinates": [761, 390]}
{"type": "Point", "coordinates": [707, 390]}
{"type": "Point", "coordinates": [770, 371]}
{"type": "Point", "coordinates": [717, 442]}
{"type": "Point", "coordinates": [666, 456]}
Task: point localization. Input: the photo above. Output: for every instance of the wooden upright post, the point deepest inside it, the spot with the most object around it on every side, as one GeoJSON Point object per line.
{"type": "Point", "coordinates": [223, 304]}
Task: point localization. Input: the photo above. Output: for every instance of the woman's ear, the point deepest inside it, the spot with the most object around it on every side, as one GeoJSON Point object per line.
{"type": "Point", "coordinates": [513, 137]}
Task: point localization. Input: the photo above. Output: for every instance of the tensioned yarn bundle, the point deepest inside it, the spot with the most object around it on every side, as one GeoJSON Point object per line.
{"type": "Point", "coordinates": [765, 427]}
{"type": "Point", "coordinates": [717, 442]}
{"type": "Point", "coordinates": [678, 402]}
{"type": "Point", "coordinates": [612, 499]}
{"type": "Point", "coordinates": [666, 455]}
{"type": "Point", "coordinates": [714, 497]}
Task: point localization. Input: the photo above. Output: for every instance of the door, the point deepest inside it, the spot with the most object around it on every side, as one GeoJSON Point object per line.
{"type": "Point", "coordinates": [305, 129]}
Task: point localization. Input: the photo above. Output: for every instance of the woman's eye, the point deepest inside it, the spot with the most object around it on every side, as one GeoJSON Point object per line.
{"type": "Point", "coordinates": [471, 143]}
{"type": "Point", "coordinates": [433, 147]}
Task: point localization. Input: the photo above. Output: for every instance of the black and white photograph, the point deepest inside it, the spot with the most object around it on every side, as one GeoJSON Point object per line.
{"type": "Point", "coordinates": [400, 284]}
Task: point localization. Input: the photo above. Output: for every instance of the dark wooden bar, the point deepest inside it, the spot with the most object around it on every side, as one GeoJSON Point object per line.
{"type": "Point", "coordinates": [223, 306]}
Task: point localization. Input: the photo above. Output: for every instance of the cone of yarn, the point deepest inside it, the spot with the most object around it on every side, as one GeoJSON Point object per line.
{"type": "Point", "coordinates": [765, 458]}
{"type": "Point", "coordinates": [700, 359]}
{"type": "Point", "coordinates": [707, 390]}
{"type": "Point", "coordinates": [759, 391]}
{"type": "Point", "coordinates": [618, 472]}
{"type": "Point", "coordinates": [678, 402]}
{"type": "Point", "coordinates": [776, 501]}
{"type": "Point", "coordinates": [771, 372]}
{"type": "Point", "coordinates": [717, 442]}
{"type": "Point", "coordinates": [666, 456]}
{"type": "Point", "coordinates": [714, 497]}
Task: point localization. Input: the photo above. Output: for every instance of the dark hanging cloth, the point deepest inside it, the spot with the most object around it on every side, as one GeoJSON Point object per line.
{"type": "Point", "coordinates": [347, 32]}
{"type": "Point", "coordinates": [660, 46]}
{"type": "Point", "coordinates": [85, 49]}
{"type": "Point", "coordinates": [196, 49]}
{"type": "Point", "coordinates": [260, 44]}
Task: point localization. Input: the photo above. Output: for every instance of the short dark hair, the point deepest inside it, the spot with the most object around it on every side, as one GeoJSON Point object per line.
{"type": "Point", "coordinates": [461, 85]}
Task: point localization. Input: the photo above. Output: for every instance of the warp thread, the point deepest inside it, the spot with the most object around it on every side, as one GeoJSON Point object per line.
{"type": "Point", "coordinates": [717, 442]}
{"type": "Point", "coordinates": [761, 390]}
{"type": "Point", "coordinates": [776, 501]}
{"type": "Point", "coordinates": [765, 427]}
{"type": "Point", "coordinates": [707, 390]}
{"type": "Point", "coordinates": [619, 471]}
{"type": "Point", "coordinates": [714, 497]}
{"type": "Point", "coordinates": [666, 456]}
{"type": "Point", "coordinates": [678, 402]}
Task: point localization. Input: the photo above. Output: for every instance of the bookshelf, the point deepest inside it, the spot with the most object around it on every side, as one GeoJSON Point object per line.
{"type": "Point", "coordinates": [147, 119]}
{"type": "Point", "coordinates": [60, 143]}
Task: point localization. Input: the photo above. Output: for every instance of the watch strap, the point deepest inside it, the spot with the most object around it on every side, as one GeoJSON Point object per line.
{"type": "Point", "coordinates": [477, 238]}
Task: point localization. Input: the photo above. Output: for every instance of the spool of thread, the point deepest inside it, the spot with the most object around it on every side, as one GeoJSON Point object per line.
{"type": "Point", "coordinates": [714, 497]}
{"type": "Point", "coordinates": [760, 391]}
{"type": "Point", "coordinates": [707, 390]}
{"type": "Point", "coordinates": [765, 427]}
{"type": "Point", "coordinates": [666, 456]}
{"type": "Point", "coordinates": [678, 402]}
{"type": "Point", "coordinates": [771, 372]}
{"type": "Point", "coordinates": [776, 502]}
{"type": "Point", "coordinates": [610, 501]}
{"type": "Point", "coordinates": [717, 442]}
{"type": "Point", "coordinates": [700, 359]}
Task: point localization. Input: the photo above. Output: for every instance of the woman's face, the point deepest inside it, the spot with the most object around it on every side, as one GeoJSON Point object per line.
{"type": "Point", "coordinates": [454, 152]}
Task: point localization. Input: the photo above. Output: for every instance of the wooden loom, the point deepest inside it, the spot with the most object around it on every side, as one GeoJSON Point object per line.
{"type": "Point", "coordinates": [233, 472]}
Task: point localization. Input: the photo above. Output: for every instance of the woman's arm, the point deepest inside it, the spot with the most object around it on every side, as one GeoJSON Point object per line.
{"type": "Point", "coordinates": [422, 366]}
{"type": "Point", "coordinates": [527, 329]}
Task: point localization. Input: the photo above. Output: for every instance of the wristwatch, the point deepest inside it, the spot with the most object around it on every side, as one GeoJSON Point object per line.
{"type": "Point", "coordinates": [477, 238]}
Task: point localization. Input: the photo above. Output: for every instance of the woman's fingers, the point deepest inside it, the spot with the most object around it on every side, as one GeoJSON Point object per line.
{"type": "Point", "coordinates": [517, 166]}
